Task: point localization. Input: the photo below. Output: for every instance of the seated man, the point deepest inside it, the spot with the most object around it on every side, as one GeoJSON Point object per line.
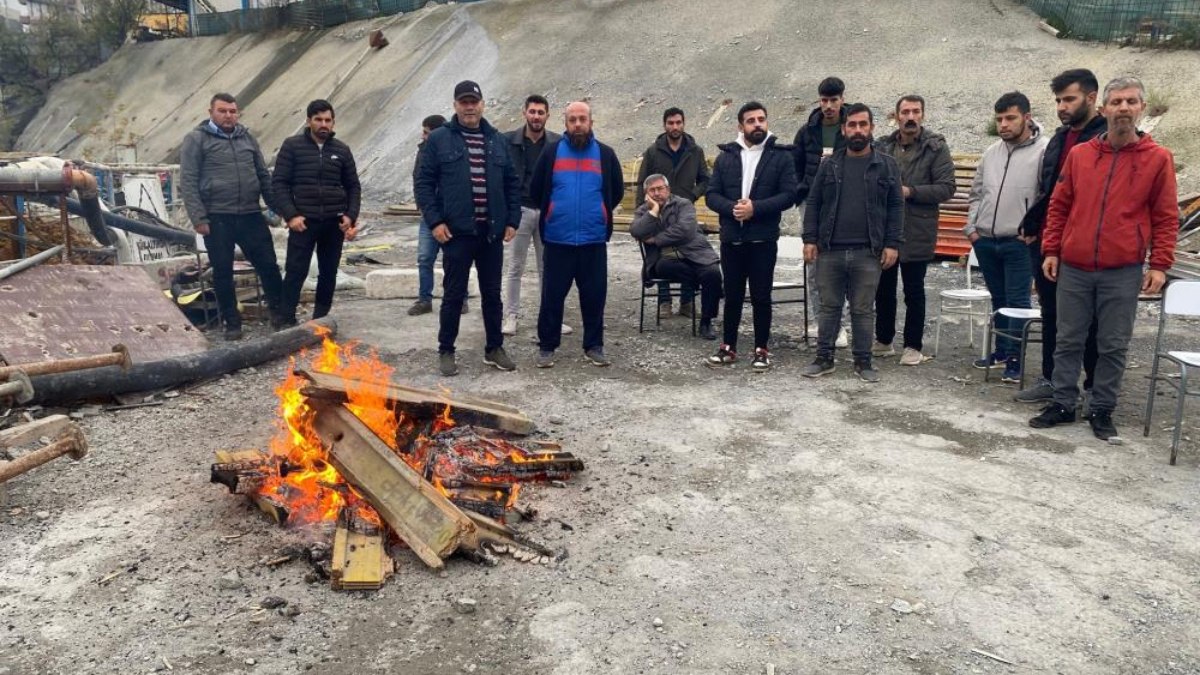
{"type": "Point", "coordinates": [676, 249]}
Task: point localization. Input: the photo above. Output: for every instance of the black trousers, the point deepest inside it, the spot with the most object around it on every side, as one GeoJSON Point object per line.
{"type": "Point", "coordinates": [1047, 292]}
{"type": "Point", "coordinates": [913, 274]}
{"type": "Point", "coordinates": [707, 277]}
{"type": "Point", "coordinates": [585, 266]}
{"type": "Point", "coordinates": [458, 255]}
{"type": "Point", "coordinates": [325, 237]}
{"type": "Point", "coordinates": [250, 233]}
{"type": "Point", "coordinates": [750, 263]}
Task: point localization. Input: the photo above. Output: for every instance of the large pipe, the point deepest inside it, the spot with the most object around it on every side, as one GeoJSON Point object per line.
{"type": "Point", "coordinates": [136, 226]}
{"type": "Point", "coordinates": [34, 261]}
{"type": "Point", "coordinates": [112, 380]}
{"type": "Point", "coordinates": [34, 178]}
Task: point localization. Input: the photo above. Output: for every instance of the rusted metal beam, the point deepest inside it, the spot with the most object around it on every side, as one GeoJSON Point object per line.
{"type": "Point", "coordinates": [72, 443]}
{"type": "Point", "coordinates": [119, 357]}
{"type": "Point", "coordinates": [47, 426]}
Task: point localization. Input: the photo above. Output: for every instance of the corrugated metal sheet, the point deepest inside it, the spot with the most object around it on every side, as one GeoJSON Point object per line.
{"type": "Point", "coordinates": [61, 311]}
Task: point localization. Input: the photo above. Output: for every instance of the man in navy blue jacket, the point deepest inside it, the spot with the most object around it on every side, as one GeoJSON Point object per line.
{"type": "Point", "coordinates": [578, 182]}
{"type": "Point", "coordinates": [470, 194]}
{"type": "Point", "coordinates": [753, 183]}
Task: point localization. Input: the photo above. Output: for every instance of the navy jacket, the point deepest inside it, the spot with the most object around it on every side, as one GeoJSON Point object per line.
{"type": "Point", "coordinates": [885, 202]}
{"type": "Point", "coordinates": [541, 189]}
{"type": "Point", "coordinates": [773, 191]}
{"type": "Point", "coordinates": [443, 182]}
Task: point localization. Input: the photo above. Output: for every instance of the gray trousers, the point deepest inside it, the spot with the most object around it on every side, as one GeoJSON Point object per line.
{"type": "Point", "coordinates": [1110, 297]}
{"type": "Point", "coordinates": [516, 254]}
{"type": "Point", "coordinates": [847, 276]}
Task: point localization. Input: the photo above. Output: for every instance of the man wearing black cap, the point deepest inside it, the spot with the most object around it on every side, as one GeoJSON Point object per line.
{"type": "Point", "coordinates": [469, 192]}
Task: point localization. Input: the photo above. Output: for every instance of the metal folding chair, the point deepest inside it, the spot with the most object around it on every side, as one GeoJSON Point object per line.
{"type": "Point", "coordinates": [962, 301]}
{"type": "Point", "coordinates": [1180, 299]}
{"type": "Point", "coordinates": [674, 290]}
{"type": "Point", "coordinates": [1031, 332]}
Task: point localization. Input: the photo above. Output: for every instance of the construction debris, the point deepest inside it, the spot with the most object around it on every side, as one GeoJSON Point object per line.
{"type": "Point", "coordinates": [118, 357]}
{"type": "Point", "coordinates": [72, 442]}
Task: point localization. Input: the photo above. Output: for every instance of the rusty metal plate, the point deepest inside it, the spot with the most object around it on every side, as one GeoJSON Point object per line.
{"type": "Point", "coordinates": [61, 311]}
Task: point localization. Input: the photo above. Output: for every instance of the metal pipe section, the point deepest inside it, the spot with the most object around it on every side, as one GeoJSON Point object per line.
{"type": "Point", "coordinates": [137, 227]}
{"type": "Point", "coordinates": [33, 261]}
{"type": "Point", "coordinates": [30, 179]}
{"type": "Point", "coordinates": [72, 443]}
{"type": "Point", "coordinates": [119, 357]}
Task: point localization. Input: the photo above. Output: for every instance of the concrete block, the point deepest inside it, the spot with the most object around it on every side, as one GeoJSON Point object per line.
{"type": "Point", "coordinates": [397, 283]}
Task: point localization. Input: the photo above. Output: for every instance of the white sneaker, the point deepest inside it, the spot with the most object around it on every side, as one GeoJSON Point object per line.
{"type": "Point", "coordinates": [567, 330]}
{"type": "Point", "coordinates": [881, 349]}
{"type": "Point", "coordinates": [843, 340]}
{"type": "Point", "coordinates": [911, 357]}
{"type": "Point", "coordinates": [509, 327]}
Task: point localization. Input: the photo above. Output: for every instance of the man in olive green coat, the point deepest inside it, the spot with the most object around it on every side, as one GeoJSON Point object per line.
{"type": "Point", "coordinates": [927, 175]}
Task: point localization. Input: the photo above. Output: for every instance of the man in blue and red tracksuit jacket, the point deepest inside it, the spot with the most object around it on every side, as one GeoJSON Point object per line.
{"type": "Point", "coordinates": [578, 183]}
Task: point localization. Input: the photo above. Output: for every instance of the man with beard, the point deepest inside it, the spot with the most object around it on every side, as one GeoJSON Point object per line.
{"type": "Point", "coordinates": [577, 183]}
{"type": "Point", "coordinates": [853, 229]}
{"type": "Point", "coordinates": [469, 192]}
{"type": "Point", "coordinates": [222, 174]}
{"type": "Point", "coordinates": [927, 179]}
{"type": "Point", "coordinates": [753, 183]}
{"type": "Point", "coordinates": [1005, 186]}
{"type": "Point", "coordinates": [525, 145]}
{"type": "Point", "coordinates": [1075, 94]}
{"type": "Point", "coordinates": [676, 249]}
{"type": "Point", "coordinates": [1115, 202]}
{"type": "Point", "coordinates": [317, 193]}
{"type": "Point", "coordinates": [676, 155]}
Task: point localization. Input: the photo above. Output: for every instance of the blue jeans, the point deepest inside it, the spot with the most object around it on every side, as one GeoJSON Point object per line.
{"type": "Point", "coordinates": [427, 251]}
{"type": "Point", "coordinates": [1008, 275]}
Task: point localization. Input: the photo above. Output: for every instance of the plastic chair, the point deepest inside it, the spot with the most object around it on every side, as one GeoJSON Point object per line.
{"type": "Point", "coordinates": [674, 290]}
{"type": "Point", "coordinates": [964, 300]}
{"type": "Point", "coordinates": [1180, 299]}
{"type": "Point", "coordinates": [791, 248]}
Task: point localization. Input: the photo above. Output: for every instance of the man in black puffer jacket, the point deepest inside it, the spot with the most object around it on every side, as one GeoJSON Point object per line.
{"type": "Point", "coordinates": [317, 193]}
{"type": "Point", "coordinates": [753, 183]}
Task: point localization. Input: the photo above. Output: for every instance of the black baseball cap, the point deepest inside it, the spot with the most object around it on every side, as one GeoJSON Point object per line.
{"type": "Point", "coordinates": [467, 89]}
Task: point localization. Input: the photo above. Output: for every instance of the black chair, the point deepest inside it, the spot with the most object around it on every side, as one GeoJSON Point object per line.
{"type": "Point", "coordinates": [650, 290]}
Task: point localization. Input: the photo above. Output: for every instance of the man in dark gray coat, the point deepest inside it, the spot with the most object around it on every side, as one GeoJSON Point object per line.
{"type": "Point", "coordinates": [676, 249]}
{"type": "Point", "coordinates": [927, 179]}
{"type": "Point", "coordinates": [222, 174]}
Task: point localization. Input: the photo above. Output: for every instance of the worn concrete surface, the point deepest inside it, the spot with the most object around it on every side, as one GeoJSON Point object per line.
{"type": "Point", "coordinates": [762, 518]}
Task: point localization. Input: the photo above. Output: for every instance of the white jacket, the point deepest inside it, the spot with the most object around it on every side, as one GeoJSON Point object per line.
{"type": "Point", "coordinates": [1005, 186]}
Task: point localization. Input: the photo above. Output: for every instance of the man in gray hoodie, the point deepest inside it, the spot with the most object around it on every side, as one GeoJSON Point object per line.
{"type": "Point", "coordinates": [1005, 186]}
{"type": "Point", "coordinates": [222, 174]}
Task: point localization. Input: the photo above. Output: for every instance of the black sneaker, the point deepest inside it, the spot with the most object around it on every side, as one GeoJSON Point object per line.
{"type": "Point", "coordinates": [865, 371]}
{"type": "Point", "coordinates": [1052, 415]}
{"type": "Point", "coordinates": [447, 364]}
{"type": "Point", "coordinates": [1102, 425]}
{"type": "Point", "coordinates": [498, 359]}
{"type": "Point", "coordinates": [596, 357]}
{"type": "Point", "coordinates": [420, 307]}
{"type": "Point", "coordinates": [706, 330]}
{"type": "Point", "coordinates": [725, 356]}
{"type": "Point", "coordinates": [993, 360]}
{"type": "Point", "coordinates": [819, 367]}
{"type": "Point", "coordinates": [762, 360]}
{"type": "Point", "coordinates": [233, 333]}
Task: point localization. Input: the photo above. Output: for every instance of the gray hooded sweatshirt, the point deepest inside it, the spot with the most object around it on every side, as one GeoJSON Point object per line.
{"type": "Point", "coordinates": [1005, 186]}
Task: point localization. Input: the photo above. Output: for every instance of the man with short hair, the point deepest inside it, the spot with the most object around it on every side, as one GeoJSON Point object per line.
{"type": "Point", "coordinates": [677, 156]}
{"type": "Point", "coordinates": [577, 183]}
{"type": "Point", "coordinates": [1075, 93]}
{"type": "Point", "coordinates": [427, 246]}
{"type": "Point", "coordinates": [753, 182]}
{"type": "Point", "coordinates": [317, 193]}
{"type": "Point", "coordinates": [853, 229]}
{"type": "Point", "coordinates": [222, 174]}
{"type": "Point", "coordinates": [469, 192]}
{"type": "Point", "coordinates": [525, 145]}
{"type": "Point", "coordinates": [676, 249]}
{"type": "Point", "coordinates": [1005, 186]}
{"type": "Point", "coordinates": [1115, 203]}
{"type": "Point", "coordinates": [927, 179]}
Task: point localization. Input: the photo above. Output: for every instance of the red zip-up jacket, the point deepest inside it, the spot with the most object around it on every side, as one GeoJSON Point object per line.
{"type": "Point", "coordinates": [1110, 206]}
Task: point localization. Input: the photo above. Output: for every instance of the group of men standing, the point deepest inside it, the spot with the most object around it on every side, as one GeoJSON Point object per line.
{"type": "Point", "coordinates": [1076, 215]}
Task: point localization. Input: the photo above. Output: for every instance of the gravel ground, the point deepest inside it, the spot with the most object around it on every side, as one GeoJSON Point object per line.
{"type": "Point", "coordinates": [726, 521]}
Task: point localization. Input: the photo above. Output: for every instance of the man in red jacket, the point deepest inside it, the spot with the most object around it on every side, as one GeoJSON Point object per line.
{"type": "Point", "coordinates": [1115, 202]}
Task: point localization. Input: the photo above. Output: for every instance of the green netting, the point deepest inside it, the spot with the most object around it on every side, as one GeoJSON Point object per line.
{"type": "Point", "coordinates": [1164, 22]}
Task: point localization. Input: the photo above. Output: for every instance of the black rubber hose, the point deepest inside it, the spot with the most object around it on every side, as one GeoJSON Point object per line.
{"type": "Point", "coordinates": [128, 224]}
{"type": "Point", "coordinates": [109, 381]}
